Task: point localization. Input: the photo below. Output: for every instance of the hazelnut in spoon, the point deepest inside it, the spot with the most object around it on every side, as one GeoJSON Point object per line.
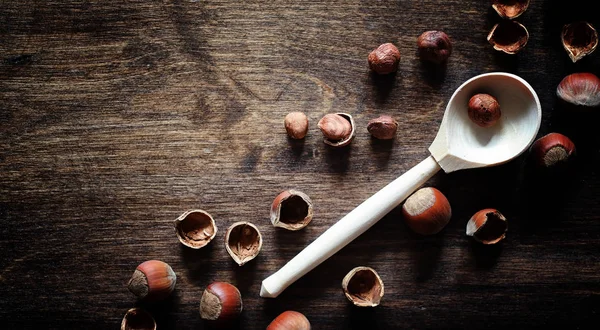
{"type": "Point", "coordinates": [460, 144]}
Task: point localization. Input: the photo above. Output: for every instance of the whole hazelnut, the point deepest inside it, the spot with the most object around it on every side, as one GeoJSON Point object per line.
{"type": "Point", "coordinates": [243, 242]}
{"type": "Point", "coordinates": [487, 226]}
{"type": "Point", "coordinates": [291, 210]}
{"type": "Point", "coordinates": [296, 125]}
{"type": "Point", "coordinates": [195, 228]}
{"type": "Point", "coordinates": [363, 287]}
{"type": "Point", "coordinates": [384, 59]}
{"type": "Point", "coordinates": [337, 128]}
{"type": "Point", "coordinates": [508, 36]}
{"type": "Point", "coordinates": [484, 110]}
{"type": "Point", "coordinates": [152, 280]}
{"type": "Point", "coordinates": [579, 39]}
{"type": "Point", "coordinates": [383, 127]}
{"type": "Point", "coordinates": [289, 320]}
{"type": "Point", "coordinates": [138, 319]}
{"type": "Point", "coordinates": [434, 46]}
{"type": "Point", "coordinates": [427, 211]}
{"type": "Point", "coordinates": [221, 304]}
{"type": "Point", "coordinates": [580, 89]}
{"type": "Point", "coordinates": [552, 150]}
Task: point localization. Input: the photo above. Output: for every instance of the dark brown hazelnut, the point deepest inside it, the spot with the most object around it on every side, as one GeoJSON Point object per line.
{"type": "Point", "coordinates": [221, 304]}
{"type": "Point", "coordinates": [152, 280]}
{"type": "Point", "coordinates": [363, 287]}
{"type": "Point", "coordinates": [487, 226]}
{"type": "Point", "coordinates": [384, 59]}
{"type": "Point", "coordinates": [296, 125]}
{"type": "Point", "coordinates": [243, 242]}
{"type": "Point", "coordinates": [510, 8]}
{"type": "Point", "coordinates": [552, 149]}
{"type": "Point", "coordinates": [291, 210]}
{"type": "Point", "coordinates": [383, 127]}
{"type": "Point", "coordinates": [579, 39]}
{"type": "Point", "coordinates": [508, 36]}
{"type": "Point", "coordinates": [138, 319]}
{"type": "Point", "coordinates": [337, 128]}
{"type": "Point", "coordinates": [580, 89]}
{"type": "Point", "coordinates": [484, 110]}
{"type": "Point", "coordinates": [195, 228]}
{"type": "Point", "coordinates": [434, 46]}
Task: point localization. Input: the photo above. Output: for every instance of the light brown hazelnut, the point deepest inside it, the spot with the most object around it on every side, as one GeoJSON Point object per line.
{"type": "Point", "coordinates": [552, 149]}
{"type": "Point", "coordinates": [337, 128]}
{"type": "Point", "coordinates": [579, 39]}
{"type": "Point", "coordinates": [152, 280]}
{"type": "Point", "coordinates": [383, 127]}
{"type": "Point", "coordinates": [434, 46]}
{"type": "Point", "coordinates": [296, 125]}
{"type": "Point", "coordinates": [138, 319]}
{"type": "Point", "coordinates": [291, 210]}
{"type": "Point", "coordinates": [580, 89]}
{"type": "Point", "coordinates": [363, 287]}
{"type": "Point", "coordinates": [508, 36]}
{"type": "Point", "coordinates": [290, 320]}
{"type": "Point", "coordinates": [384, 59]}
{"type": "Point", "coordinates": [195, 228]}
{"type": "Point", "coordinates": [221, 304]}
{"type": "Point", "coordinates": [510, 8]}
{"type": "Point", "coordinates": [427, 211]}
{"type": "Point", "coordinates": [487, 226]}
{"type": "Point", "coordinates": [243, 242]}
{"type": "Point", "coordinates": [484, 110]}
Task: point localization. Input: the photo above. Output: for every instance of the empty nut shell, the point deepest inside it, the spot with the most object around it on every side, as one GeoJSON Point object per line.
{"type": "Point", "coordinates": [195, 228]}
{"type": "Point", "coordinates": [152, 280]}
{"type": "Point", "coordinates": [338, 129]}
{"type": "Point", "coordinates": [510, 8]}
{"type": "Point", "coordinates": [508, 36]}
{"type": "Point", "coordinates": [487, 226]}
{"type": "Point", "coordinates": [363, 287]}
{"type": "Point", "coordinates": [138, 319]}
{"type": "Point", "coordinates": [243, 242]}
{"type": "Point", "coordinates": [383, 127]}
{"type": "Point", "coordinates": [289, 320]}
{"type": "Point", "coordinates": [292, 210]}
{"type": "Point", "coordinates": [579, 39]}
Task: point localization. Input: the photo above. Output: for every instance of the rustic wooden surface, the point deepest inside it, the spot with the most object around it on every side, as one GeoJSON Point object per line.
{"type": "Point", "coordinates": [117, 116]}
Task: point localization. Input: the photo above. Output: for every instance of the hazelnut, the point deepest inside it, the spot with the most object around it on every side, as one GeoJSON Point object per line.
{"type": "Point", "coordinates": [510, 8]}
{"type": "Point", "coordinates": [138, 319]}
{"type": "Point", "coordinates": [195, 228]}
{"type": "Point", "coordinates": [296, 125]}
{"type": "Point", "coordinates": [221, 304]}
{"type": "Point", "coordinates": [487, 226]}
{"type": "Point", "coordinates": [580, 89]}
{"type": "Point", "coordinates": [363, 287]}
{"type": "Point", "coordinates": [337, 128]}
{"type": "Point", "coordinates": [384, 59]}
{"type": "Point", "coordinates": [508, 36]}
{"type": "Point", "coordinates": [383, 127]}
{"type": "Point", "coordinates": [579, 39]}
{"type": "Point", "coordinates": [289, 320]}
{"type": "Point", "coordinates": [484, 110]}
{"type": "Point", "coordinates": [152, 280]}
{"type": "Point", "coordinates": [243, 242]}
{"type": "Point", "coordinates": [427, 211]}
{"type": "Point", "coordinates": [434, 46]}
{"type": "Point", "coordinates": [552, 149]}
{"type": "Point", "coordinates": [292, 210]}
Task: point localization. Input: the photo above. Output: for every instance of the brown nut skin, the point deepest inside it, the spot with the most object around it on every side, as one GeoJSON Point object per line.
{"type": "Point", "coordinates": [487, 226]}
{"type": "Point", "coordinates": [427, 211]}
{"type": "Point", "coordinates": [434, 46]}
{"type": "Point", "coordinates": [289, 320]}
{"type": "Point", "coordinates": [338, 129]}
{"type": "Point", "coordinates": [484, 110]}
{"type": "Point", "coordinates": [579, 39]}
{"type": "Point", "coordinates": [383, 127]}
{"type": "Point", "coordinates": [296, 125]}
{"type": "Point", "coordinates": [384, 59]}
{"type": "Point", "coordinates": [138, 319]}
{"type": "Point", "coordinates": [363, 287]}
{"type": "Point", "coordinates": [195, 228]}
{"type": "Point", "coordinates": [509, 37]}
{"type": "Point", "coordinates": [510, 9]}
{"type": "Point", "coordinates": [152, 280]}
{"type": "Point", "coordinates": [552, 150]}
{"type": "Point", "coordinates": [243, 242]}
{"type": "Point", "coordinates": [221, 304]}
{"type": "Point", "coordinates": [291, 210]}
{"type": "Point", "coordinates": [580, 89]}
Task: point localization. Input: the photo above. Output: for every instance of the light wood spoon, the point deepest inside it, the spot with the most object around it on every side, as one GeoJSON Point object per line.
{"type": "Point", "coordinates": [459, 144]}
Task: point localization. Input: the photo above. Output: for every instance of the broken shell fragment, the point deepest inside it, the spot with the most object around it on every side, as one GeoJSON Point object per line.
{"type": "Point", "coordinates": [487, 226]}
{"type": "Point", "coordinates": [579, 39]}
{"type": "Point", "coordinates": [510, 8]}
{"type": "Point", "coordinates": [195, 228]}
{"type": "Point", "coordinates": [508, 36]}
{"type": "Point", "coordinates": [292, 210]}
{"type": "Point", "coordinates": [243, 242]}
{"type": "Point", "coordinates": [363, 287]}
{"type": "Point", "coordinates": [138, 319]}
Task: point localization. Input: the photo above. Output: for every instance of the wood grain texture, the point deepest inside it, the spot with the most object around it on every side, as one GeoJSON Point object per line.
{"type": "Point", "coordinates": [117, 116]}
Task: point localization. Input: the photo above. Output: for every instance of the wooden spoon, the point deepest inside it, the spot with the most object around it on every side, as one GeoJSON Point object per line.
{"type": "Point", "coordinates": [459, 144]}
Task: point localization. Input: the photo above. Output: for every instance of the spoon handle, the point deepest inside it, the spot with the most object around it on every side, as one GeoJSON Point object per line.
{"type": "Point", "coordinates": [349, 227]}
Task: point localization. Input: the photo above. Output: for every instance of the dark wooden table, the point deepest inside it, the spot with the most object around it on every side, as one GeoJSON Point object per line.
{"type": "Point", "coordinates": [117, 116]}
